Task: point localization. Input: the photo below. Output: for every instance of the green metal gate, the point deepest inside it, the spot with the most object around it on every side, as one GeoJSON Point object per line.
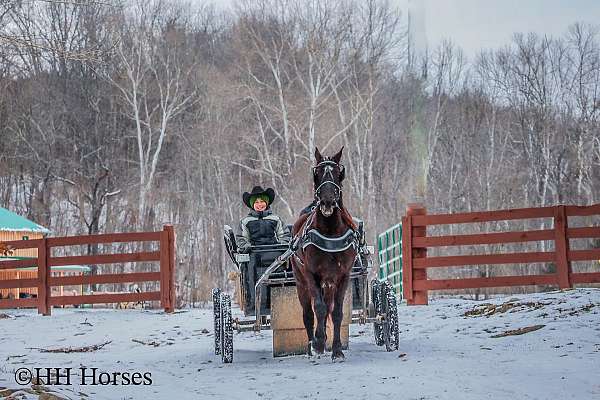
{"type": "Point", "coordinates": [389, 250]}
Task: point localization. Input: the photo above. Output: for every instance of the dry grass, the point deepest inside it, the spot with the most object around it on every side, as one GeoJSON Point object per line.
{"type": "Point", "coordinates": [520, 331]}
{"type": "Point", "coordinates": [84, 349]}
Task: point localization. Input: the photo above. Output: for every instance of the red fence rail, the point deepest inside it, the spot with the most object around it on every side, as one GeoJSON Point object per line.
{"type": "Point", "coordinates": [415, 243]}
{"type": "Point", "coordinates": [44, 261]}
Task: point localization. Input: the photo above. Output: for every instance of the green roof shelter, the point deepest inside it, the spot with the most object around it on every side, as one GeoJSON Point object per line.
{"type": "Point", "coordinates": [11, 222]}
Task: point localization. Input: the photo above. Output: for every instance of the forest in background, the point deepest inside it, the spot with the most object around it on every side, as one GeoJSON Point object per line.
{"type": "Point", "coordinates": [123, 116]}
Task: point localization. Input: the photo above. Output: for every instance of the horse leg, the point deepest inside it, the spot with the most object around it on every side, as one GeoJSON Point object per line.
{"type": "Point", "coordinates": [337, 316]}
{"type": "Point", "coordinates": [307, 314]}
{"type": "Point", "coordinates": [320, 310]}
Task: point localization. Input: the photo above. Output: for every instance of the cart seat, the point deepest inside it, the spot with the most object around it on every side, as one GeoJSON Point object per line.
{"type": "Point", "coordinates": [260, 257]}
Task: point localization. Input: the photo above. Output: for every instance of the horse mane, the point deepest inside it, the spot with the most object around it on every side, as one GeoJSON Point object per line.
{"type": "Point", "coordinates": [299, 223]}
{"type": "Point", "coordinates": [347, 218]}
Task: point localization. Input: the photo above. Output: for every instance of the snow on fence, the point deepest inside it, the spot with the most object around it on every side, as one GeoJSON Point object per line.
{"type": "Point", "coordinates": [44, 261]}
{"type": "Point", "coordinates": [415, 243]}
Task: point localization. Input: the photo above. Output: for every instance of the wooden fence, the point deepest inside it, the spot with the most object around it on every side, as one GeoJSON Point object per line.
{"type": "Point", "coordinates": [415, 243]}
{"type": "Point", "coordinates": [44, 261]}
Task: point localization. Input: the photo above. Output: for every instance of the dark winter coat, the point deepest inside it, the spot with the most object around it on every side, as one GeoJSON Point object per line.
{"type": "Point", "coordinates": [261, 228]}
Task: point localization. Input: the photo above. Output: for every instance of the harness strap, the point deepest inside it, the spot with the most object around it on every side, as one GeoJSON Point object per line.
{"type": "Point", "coordinates": [307, 236]}
{"type": "Point", "coordinates": [298, 259]}
{"type": "Point", "coordinates": [330, 244]}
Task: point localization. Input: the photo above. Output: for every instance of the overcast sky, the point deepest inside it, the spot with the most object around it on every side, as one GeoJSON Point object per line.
{"type": "Point", "coordinates": [477, 24]}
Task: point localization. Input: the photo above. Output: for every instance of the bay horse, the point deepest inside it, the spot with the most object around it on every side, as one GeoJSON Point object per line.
{"type": "Point", "coordinates": [322, 272]}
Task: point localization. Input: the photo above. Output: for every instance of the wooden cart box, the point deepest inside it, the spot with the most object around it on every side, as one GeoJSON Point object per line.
{"type": "Point", "coordinates": [289, 334]}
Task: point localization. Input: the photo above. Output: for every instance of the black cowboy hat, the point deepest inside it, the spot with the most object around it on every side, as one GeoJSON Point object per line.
{"type": "Point", "coordinates": [258, 190]}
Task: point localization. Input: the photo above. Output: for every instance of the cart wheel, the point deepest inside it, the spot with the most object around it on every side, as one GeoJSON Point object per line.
{"type": "Point", "coordinates": [216, 297]}
{"type": "Point", "coordinates": [391, 330]}
{"type": "Point", "coordinates": [226, 329]}
{"type": "Point", "coordinates": [376, 296]}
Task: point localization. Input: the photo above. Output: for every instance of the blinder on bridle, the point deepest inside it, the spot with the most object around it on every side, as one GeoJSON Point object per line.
{"type": "Point", "coordinates": [327, 178]}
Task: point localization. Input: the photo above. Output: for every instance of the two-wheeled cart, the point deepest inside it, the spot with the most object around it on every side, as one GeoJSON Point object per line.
{"type": "Point", "coordinates": [266, 294]}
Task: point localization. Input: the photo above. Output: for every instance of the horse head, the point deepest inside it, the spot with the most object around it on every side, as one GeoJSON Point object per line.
{"type": "Point", "coordinates": [328, 175]}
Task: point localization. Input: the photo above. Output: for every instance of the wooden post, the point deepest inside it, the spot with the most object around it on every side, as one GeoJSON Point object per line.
{"type": "Point", "coordinates": [167, 268]}
{"type": "Point", "coordinates": [171, 275]}
{"type": "Point", "coordinates": [164, 269]}
{"type": "Point", "coordinates": [407, 263]}
{"type": "Point", "coordinates": [561, 247]}
{"type": "Point", "coordinates": [43, 273]}
{"type": "Point", "coordinates": [416, 297]}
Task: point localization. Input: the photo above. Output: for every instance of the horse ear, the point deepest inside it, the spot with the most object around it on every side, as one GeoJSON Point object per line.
{"type": "Point", "coordinates": [338, 156]}
{"type": "Point", "coordinates": [318, 156]}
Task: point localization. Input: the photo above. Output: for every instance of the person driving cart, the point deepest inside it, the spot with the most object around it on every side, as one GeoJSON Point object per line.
{"type": "Point", "coordinates": [259, 228]}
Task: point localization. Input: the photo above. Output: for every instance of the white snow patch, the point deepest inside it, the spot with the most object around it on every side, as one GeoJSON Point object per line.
{"type": "Point", "coordinates": [443, 354]}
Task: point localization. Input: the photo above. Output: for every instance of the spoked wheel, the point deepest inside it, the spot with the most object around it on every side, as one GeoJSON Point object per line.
{"type": "Point", "coordinates": [385, 304]}
{"type": "Point", "coordinates": [377, 297]}
{"type": "Point", "coordinates": [216, 297]}
{"type": "Point", "coordinates": [391, 329]}
{"type": "Point", "coordinates": [226, 329]}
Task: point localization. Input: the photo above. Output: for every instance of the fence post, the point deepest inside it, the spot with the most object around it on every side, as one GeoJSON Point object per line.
{"type": "Point", "coordinates": [167, 268]}
{"type": "Point", "coordinates": [43, 274]}
{"type": "Point", "coordinates": [164, 269]}
{"type": "Point", "coordinates": [171, 286]}
{"type": "Point", "coordinates": [407, 264]}
{"type": "Point", "coordinates": [416, 297]}
{"type": "Point", "coordinates": [561, 247]}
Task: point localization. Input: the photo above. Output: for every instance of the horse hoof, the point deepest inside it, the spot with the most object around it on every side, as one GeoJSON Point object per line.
{"type": "Point", "coordinates": [337, 356]}
{"type": "Point", "coordinates": [319, 347]}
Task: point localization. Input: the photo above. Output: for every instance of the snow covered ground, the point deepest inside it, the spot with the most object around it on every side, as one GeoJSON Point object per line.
{"type": "Point", "coordinates": [443, 354]}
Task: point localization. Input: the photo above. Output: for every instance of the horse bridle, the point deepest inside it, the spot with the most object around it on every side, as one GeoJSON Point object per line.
{"type": "Point", "coordinates": [329, 164]}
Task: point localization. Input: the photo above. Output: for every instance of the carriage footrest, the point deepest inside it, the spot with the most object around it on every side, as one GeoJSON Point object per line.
{"type": "Point", "coordinates": [250, 328]}
{"type": "Point", "coordinates": [368, 320]}
{"type": "Point", "coordinates": [250, 322]}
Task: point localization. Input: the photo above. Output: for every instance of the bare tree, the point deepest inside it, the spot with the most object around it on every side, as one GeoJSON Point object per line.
{"type": "Point", "coordinates": [154, 86]}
